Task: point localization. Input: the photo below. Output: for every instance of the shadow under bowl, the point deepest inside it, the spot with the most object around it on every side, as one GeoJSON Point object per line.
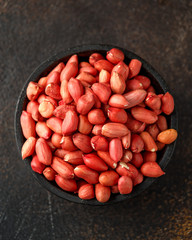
{"type": "Point", "coordinates": [83, 53]}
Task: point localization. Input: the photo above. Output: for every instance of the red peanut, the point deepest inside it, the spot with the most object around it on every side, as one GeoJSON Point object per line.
{"type": "Point", "coordinates": [86, 191]}
{"type": "Point", "coordinates": [36, 165]}
{"type": "Point", "coordinates": [27, 125]}
{"type": "Point", "coordinates": [87, 174]}
{"type": "Point", "coordinates": [125, 185]}
{"type": "Point", "coordinates": [49, 173]}
{"type": "Point", "coordinates": [94, 162]}
{"type": "Point", "coordinates": [108, 178]}
{"type": "Point", "coordinates": [102, 193]}
{"type": "Point", "coordinates": [99, 143]}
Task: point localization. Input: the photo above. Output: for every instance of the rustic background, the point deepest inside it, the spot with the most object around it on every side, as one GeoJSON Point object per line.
{"type": "Point", "coordinates": [159, 31]}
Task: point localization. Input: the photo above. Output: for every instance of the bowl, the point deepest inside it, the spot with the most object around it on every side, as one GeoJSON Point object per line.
{"type": "Point", "coordinates": [83, 52]}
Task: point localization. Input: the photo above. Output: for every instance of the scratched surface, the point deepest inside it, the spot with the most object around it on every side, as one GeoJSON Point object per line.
{"type": "Point", "coordinates": [160, 32]}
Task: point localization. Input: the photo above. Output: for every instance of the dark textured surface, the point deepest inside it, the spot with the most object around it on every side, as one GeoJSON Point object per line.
{"type": "Point", "coordinates": [160, 32]}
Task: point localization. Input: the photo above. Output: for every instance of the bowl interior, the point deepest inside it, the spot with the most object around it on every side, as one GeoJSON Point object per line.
{"type": "Point", "coordinates": [83, 53]}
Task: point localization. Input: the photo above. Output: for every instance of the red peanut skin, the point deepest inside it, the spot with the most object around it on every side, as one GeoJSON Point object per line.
{"type": "Point", "coordinates": [64, 169]}
{"type": "Point", "coordinates": [122, 69]}
{"type": "Point", "coordinates": [94, 58]}
{"type": "Point", "coordinates": [153, 101]}
{"type": "Point", "coordinates": [64, 92]}
{"type": "Point", "coordinates": [149, 156]}
{"type": "Point", "coordinates": [56, 139]}
{"type": "Point", "coordinates": [96, 116]}
{"type": "Point", "coordinates": [86, 192]}
{"type": "Point", "coordinates": [126, 140]}
{"type": "Point", "coordinates": [127, 169]}
{"type": "Point", "coordinates": [103, 64]}
{"type": "Point", "coordinates": [43, 82]}
{"type": "Point", "coordinates": [66, 184]}
{"type": "Point", "coordinates": [27, 125]}
{"type": "Point", "coordinates": [145, 81]}
{"type": "Point", "coordinates": [133, 84]}
{"type": "Point", "coordinates": [134, 68]}
{"type": "Point", "coordinates": [104, 76]}
{"type": "Point", "coordinates": [127, 156]}
{"type": "Point", "coordinates": [85, 103]}
{"type": "Point", "coordinates": [80, 183]}
{"type": "Point", "coordinates": [125, 185]}
{"type": "Point", "coordinates": [61, 110]}
{"type": "Point", "coordinates": [114, 189]}
{"type": "Point", "coordinates": [103, 91]}
{"type": "Point", "coordinates": [84, 126]}
{"type": "Point", "coordinates": [55, 124]}
{"type": "Point", "coordinates": [102, 193]}
{"type": "Point", "coordinates": [97, 129]}
{"type": "Point", "coordinates": [67, 143]}
{"type": "Point", "coordinates": [151, 169]}
{"type": "Point", "coordinates": [75, 89]}
{"type": "Point", "coordinates": [83, 142]}
{"type": "Point", "coordinates": [70, 123]}
{"type": "Point", "coordinates": [117, 83]}
{"type": "Point", "coordinates": [137, 144]}
{"type": "Point", "coordinates": [97, 101]}
{"type": "Point", "coordinates": [162, 123]}
{"type": "Point", "coordinates": [138, 179]}
{"type": "Point", "coordinates": [153, 130]}
{"type": "Point", "coordinates": [53, 77]}
{"type": "Point", "coordinates": [33, 90]}
{"type": "Point", "coordinates": [33, 109]}
{"type": "Point", "coordinates": [53, 90]}
{"type": "Point", "coordinates": [99, 143]}
{"type": "Point", "coordinates": [70, 70]}
{"type": "Point", "coordinates": [108, 178]}
{"type": "Point", "coordinates": [49, 173]}
{"type": "Point", "coordinates": [116, 149]}
{"type": "Point", "coordinates": [60, 153]}
{"type": "Point", "coordinates": [36, 165]}
{"type": "Point", "coordinates": [151, 89]}
{"type": "Point", "coordinates": [135, 97]}
{"type": "Point", "coordinates": [94, 162]}
{"type": "Point", "coordinates": [133, 125]}
{"type": "Point", "coordinates": [86, 77]}
{"type": "Point", "coordinates": [107, 159]}
{"type": "Point", "coordinates": [137, 160]}
{"type": "Point", "coordinates": [144, 115]}
{"type": "Point", "coordinates": [28, 147]}
{"type": "Point", "coordinates": [117, 115]}
{"type": "Point", "coordinates": [74, 157]}
{"type": "Point", "coordinates": [91, 70]}
{"type": "Point", "coordinates": [84, 64]}
{"type": "Point", "coordinates": [167, 103]}
{"type": "Point", "coordinates": [42, 130]}
{"type": "Point", "coordinates": [87, 174]}
{"type": "Point", "coordinates": [50, 144]}
{"type": "Point", "coordinates": [119, 101]}
{"type": "Point", "coordinates": [149, 143]}
{"type": "Point", "coordinates": [160, 145]}
{"type": "Point", "coordinates": [58, 68]}
{"type": "Point", "coordinates": [115, 55]}
{"type": "Point", "coordinates": [43, 151]}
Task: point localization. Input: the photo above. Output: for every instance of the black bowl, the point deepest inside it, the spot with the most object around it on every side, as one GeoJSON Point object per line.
{"type": "Point", "coordinates": [83, 52]}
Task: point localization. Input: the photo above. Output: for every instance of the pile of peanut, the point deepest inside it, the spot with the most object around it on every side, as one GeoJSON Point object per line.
{"type": "Point", "coordinates": [95, 127]}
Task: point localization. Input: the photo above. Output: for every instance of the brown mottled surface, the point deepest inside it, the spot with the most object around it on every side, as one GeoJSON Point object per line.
{"type": "Point", "coordinates": [160, 32]}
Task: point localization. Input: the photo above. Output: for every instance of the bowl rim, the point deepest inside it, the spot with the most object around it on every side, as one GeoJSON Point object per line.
{"type": "Point", "coordinates": [52, 61]}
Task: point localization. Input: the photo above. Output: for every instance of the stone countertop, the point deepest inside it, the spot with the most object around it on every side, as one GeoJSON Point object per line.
{"type": "Point", "coordinates": [159, 31]}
